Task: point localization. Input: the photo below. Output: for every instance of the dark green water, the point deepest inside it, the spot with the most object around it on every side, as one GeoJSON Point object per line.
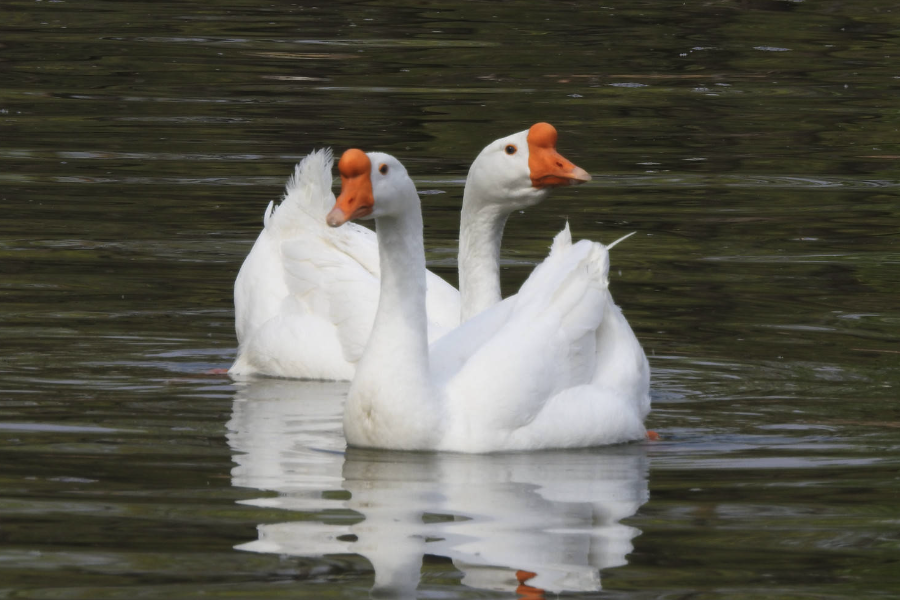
{"type": "Point", "coordinates": [753, 146]}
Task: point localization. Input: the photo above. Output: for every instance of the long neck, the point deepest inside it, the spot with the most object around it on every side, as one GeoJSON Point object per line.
{"type": "Point", "coordinates": [401, 317]}
{"type": "Point", "coordinates": [395, 361]}
{"type": "Point", "coordinates": [480, 232]}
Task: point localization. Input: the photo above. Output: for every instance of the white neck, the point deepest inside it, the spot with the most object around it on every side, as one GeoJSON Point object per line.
{"type": "Point", "coordinates": [480, 233]}
{"type": "Point", "coordinates": [401, 304]}
{"type": "Point", "coordinates": [397, 351]}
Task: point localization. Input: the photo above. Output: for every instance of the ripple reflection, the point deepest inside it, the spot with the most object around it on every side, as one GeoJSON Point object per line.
{"type": "Point", "coordinates": [499, 518]}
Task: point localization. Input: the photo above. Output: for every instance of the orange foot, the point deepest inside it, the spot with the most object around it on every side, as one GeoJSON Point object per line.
{"type": "Point", "coordinates": [216, 372]}
{"type": "Point", "coordinates": [526, 592]}
{"type": "Point", "coordinates": [653, 436]}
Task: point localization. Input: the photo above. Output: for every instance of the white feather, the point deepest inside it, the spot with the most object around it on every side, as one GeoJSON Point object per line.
{"type": "Point", "coordinates": [537, 370]}
{"type": "Point", "coordinates": [306, 294]}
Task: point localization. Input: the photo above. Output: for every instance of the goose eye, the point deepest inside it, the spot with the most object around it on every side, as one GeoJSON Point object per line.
{"type": "Point", "coordinates": [383, 169]}
{"type": "Point", "coordinates": [510, 149]}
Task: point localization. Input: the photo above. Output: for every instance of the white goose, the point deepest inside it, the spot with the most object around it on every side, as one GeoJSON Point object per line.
{"type": "Point", "coordinates": [306, 294]}
{"type": "Point", "coordinates": [539, 378]}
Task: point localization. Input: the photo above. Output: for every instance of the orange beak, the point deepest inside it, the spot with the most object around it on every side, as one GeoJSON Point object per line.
{"type": "Point", "coordinates": [356, 199]}
{"type": "Point", "coordinates": [548, 167]}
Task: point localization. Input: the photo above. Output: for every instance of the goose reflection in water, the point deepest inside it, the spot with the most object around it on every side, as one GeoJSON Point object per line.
{"type": "Point", "coordinates": [529, 521]}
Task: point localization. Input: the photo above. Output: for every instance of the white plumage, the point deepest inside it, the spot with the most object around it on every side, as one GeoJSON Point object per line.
{"type": "Point", "coordinates": [306, 295]}
{"type": "Point", "coordinates": [555, 366]}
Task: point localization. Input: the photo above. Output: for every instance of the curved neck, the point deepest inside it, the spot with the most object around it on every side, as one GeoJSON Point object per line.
{"type": "Point", "coordinates": [392, 382]}
{"type": "Point", "coordinates": [400, 321]}
{"type": "Point", "coordinates": [480, 233]}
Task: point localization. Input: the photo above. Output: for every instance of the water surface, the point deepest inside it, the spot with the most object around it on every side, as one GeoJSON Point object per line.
{"type": "Point", "coordinates": [752, 146]}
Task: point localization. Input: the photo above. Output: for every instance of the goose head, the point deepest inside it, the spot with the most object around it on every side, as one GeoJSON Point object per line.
{"type": "Point", "coordinates": [365, 176]}
{"type": "Point", "coordinates": [519, 170]}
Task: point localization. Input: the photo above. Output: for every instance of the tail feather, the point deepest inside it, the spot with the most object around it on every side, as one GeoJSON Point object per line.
{"type": "Point", "coordinates": [270, 210]}
{"type": "Point", "coordinates": [311, 182]}
{"type": "Point", "coordinates": [308, 191]}
{"type": "Point", "coordinates": [621, 239]}
{"type": "Point", "coordinates": [580, 296]}
{"type": "Point", "coordinates": [561, 241]}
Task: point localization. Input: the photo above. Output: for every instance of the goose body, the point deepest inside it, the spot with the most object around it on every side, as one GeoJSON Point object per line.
{"type": "Point", "coordinates": [306, 295]}
{"type": "Point", "coordinates": [555, 366]}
